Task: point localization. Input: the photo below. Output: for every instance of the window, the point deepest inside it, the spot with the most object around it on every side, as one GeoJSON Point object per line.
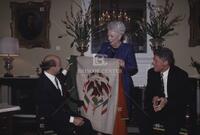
{"type": "Point", "coordinates": [135, 9]}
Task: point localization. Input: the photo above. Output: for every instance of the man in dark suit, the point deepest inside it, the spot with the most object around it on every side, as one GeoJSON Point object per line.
{"type": "Point", "coordinates": [50, 97]}
{"type": "Point", "coordinates": [165, 95]}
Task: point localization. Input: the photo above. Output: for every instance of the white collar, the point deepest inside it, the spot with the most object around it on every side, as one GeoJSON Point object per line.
{"type": "Point", "coordinates": [52, 79]}
{"type": "Point", "coordinates": [50, 76]}
{"type": "Point", "coordinates": [166, 72]}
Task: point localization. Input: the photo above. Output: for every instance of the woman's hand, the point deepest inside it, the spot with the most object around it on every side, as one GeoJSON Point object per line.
{"type": "Point", "coordinates": [121, 63]}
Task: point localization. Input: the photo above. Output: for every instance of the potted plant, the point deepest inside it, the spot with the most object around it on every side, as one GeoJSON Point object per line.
{"type": "Point", "coordinates": [160, 24]}
{"type": "Point", "coordinates": [78, 25]}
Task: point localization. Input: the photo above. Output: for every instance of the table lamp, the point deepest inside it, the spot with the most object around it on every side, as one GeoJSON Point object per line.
{"type": "Point", "coordinates": [9, 47]}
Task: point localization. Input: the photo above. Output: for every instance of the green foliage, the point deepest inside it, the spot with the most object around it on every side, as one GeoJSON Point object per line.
{"type": "Point", "coordinates": [160, 24]}
{"type": "Point", "coordinates": [78, 24]}
{"type": "Point", "coordinates": [195, 64]}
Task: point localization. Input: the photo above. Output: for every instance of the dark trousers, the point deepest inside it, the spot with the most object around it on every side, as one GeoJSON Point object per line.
{"type": "Point", "coordinates": [71, 129]}
{"type": "Point", "coordinates": [172, 123]}
{"type": "Point", "coordinates": [85, 129]}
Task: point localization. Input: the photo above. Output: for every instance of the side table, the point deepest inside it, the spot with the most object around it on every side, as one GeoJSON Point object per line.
{"type": "Point", "coordinates": [6, 112]}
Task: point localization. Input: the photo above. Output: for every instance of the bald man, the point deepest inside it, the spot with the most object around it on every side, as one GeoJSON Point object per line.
{"type": "Point", "coordinates": [50, 96]}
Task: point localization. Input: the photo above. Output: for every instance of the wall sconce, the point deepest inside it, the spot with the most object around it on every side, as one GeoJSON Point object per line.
{"type": "Point", "coordinates": [9, 47]}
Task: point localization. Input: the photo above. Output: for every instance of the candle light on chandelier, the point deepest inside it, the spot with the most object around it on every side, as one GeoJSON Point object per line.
{"type": "Point", "coordinates": [108, 16]}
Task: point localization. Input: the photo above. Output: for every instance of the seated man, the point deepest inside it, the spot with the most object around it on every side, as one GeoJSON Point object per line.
{"type": "Point", "coordinates": [50, 98]}
{"type": "Point", "coordinates": [165, 95]}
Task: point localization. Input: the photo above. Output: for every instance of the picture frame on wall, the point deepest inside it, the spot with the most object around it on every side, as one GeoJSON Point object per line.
{"type": "Point", "coordinates": [194, 22]}
{"type": "Point", "coordinates": [30, 23]}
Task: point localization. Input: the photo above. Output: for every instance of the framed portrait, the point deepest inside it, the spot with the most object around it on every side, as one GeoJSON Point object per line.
{"type": "Point", "coordinates": [30, 23]}
{"type": "Point", "coordinates": [194, 22]}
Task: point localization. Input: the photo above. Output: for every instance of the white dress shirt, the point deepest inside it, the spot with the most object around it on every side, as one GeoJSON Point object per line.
{"type": "Point", "coordinates": [52, 79]}
{"type": "Point", "coordinates": [165, 78]}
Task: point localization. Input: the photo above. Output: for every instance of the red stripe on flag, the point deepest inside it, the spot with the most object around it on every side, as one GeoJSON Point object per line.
{"type": "Point", "coordinates": [85, 108]}
{"type": "Point", "coordinates": [104, 111]}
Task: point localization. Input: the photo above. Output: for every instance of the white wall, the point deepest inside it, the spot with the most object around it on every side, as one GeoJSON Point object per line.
{"type": "Point", "coordinates": [29, 59]}
{"type": "Point", "coordinates": [179, 43]}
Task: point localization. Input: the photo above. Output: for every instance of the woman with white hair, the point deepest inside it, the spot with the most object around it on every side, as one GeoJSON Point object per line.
{"type": "Point", "coordinates": [115, 48]}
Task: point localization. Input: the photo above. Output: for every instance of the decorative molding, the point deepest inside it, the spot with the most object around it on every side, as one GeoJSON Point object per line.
{"type": "Point", "coordinates": [194, 21]}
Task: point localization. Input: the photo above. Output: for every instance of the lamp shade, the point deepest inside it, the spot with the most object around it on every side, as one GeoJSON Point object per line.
{"type": "Point", "coordinates": [9, 46]}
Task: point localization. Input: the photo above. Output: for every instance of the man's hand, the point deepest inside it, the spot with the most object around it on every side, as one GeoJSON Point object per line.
{"type": "Point", "coordinates": [65, 70]}
{"type": "Point", "coordinates": [78, 121]}
{"type": "Point", "coordinates": [155, 100]}
{"type": "Point", "coordinates": [159, 103]}
{"type": "Point", "coordinates": [68, 66]}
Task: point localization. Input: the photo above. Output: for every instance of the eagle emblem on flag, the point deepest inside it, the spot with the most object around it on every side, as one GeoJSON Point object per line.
{"type": "Point", "coordinates": [97, 92]}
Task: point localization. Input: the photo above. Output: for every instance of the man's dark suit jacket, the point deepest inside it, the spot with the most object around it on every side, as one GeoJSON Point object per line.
{"type": "Point", "coordinates": [177, 87]}
{"type": "Point", "coordinates": [49, 99]}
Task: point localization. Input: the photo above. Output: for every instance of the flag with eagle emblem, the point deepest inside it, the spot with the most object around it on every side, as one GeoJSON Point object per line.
{"type": "Point", "coordinates": [97, 83]}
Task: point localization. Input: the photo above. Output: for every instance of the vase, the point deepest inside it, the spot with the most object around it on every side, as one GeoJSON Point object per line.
{"type": "Point", "coordinates": [82, 48]}
{"type": "Point", "coordinates": [156, 43]}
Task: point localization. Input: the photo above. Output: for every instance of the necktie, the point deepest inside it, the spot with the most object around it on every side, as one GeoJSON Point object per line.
{"type": "Point", "coordinates": [57, 85]}
{"type": "Point", "coordinates": [162, 84]}
{"type": "Point", "coordinates": [56, 82]}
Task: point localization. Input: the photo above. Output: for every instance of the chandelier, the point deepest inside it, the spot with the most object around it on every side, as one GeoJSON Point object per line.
{"type": "Point", "coordinates": [108, 16]}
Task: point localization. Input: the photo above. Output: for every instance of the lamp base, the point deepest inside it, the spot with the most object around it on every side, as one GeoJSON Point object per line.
{"type": "Point", "coordinates": [8, 75]}
{"type": "Point", "coordinates": [8, 66]}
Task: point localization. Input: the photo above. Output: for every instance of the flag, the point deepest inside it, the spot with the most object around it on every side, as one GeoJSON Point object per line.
{"type": "Point", "coordinates": [97, 81]}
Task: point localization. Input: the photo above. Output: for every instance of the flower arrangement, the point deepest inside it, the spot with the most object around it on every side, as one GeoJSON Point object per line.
{"type": "Point", "coordinates": [78, 25]}
{"type": "Point", "coordinates": [160, 25]}
{"type": "Point", "coordinates": [196, 65]}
